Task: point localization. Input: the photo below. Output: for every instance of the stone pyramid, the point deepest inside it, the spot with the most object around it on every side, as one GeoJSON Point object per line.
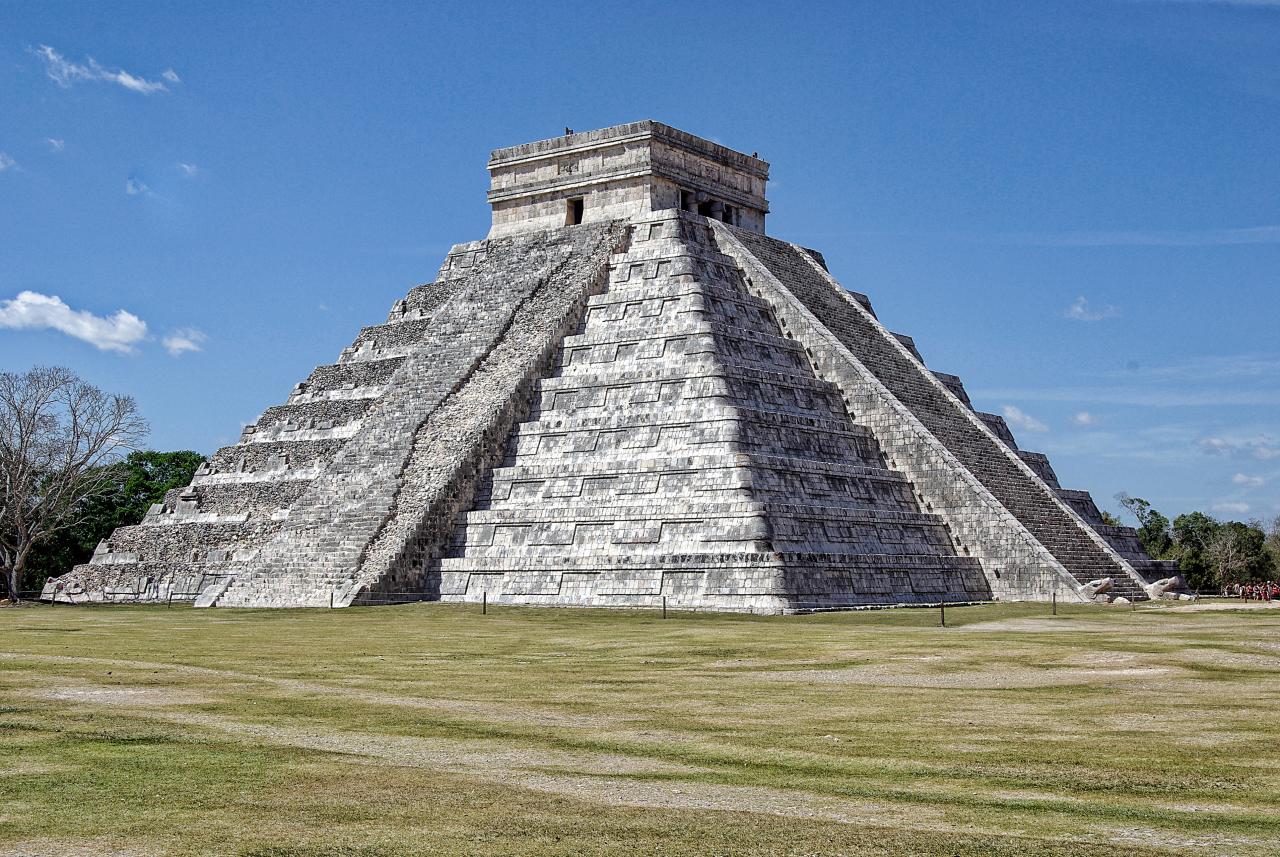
{"type": "Point", "coordinates": [626, 394]}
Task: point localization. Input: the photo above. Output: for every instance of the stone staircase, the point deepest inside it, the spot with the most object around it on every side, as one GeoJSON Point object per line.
{"type": "Point", "coordinates": [683, 449]}
{"type": "Point", "coordinates": [353, 534]}
{"type": "Point", "coordinates": [204, 535]}
{"type": "Point", "coordinates": [1079, 550]}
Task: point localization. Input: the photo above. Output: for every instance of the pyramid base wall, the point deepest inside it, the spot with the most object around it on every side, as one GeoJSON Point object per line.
{"type": "Point", "coordinates": [752, 583]}
{"type": "Point", "coordinates": [132, 583]}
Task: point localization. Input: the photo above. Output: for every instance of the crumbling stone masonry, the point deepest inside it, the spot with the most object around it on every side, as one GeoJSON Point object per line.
{"type": "Point", "coordinates": [626, 394]}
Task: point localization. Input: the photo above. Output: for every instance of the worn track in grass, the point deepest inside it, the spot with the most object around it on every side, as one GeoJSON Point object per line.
{"type": "Point", "coordinates": [430, 729]}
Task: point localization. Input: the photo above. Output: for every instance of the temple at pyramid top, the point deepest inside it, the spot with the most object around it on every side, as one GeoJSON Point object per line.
{"type": "Point", "coordinates": [620, 173]}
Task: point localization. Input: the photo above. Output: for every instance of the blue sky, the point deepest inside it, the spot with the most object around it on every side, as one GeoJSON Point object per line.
{"type": "Point", "coordinates": [1073, 206]}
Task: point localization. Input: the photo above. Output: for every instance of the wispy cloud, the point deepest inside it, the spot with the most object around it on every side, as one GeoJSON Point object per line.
{"type": "Point", "coordinates": [1084, 418]}
{"type": "Point", "coordinates": [1136, 396]}
{"type": "Point", "coordinates": [136, 187]}
{"type": "Point", "coordinates": [64, 72]}
{"type": "Point", "coordinates": [1231, 507]}
{"type": "Point", "coordinates": [120, 331]}
{"type": "Point", "coordinates": [1018, 418]}
{"type": "Point", "coordinates": [1169, 445]}
{"type": "Point", "coordinates": [1255, 4]}
{"type": "Point", "coordinates": [1209, 381]}
{"type": "Point", "coordinates": [1248, 481]}
{"type": "Point", "coordinates": [1081, 311]}
{"type": "Point", "coordinates": [1215, 368]}
{"type": "Point", "coordinates": [56, 144]}
{"type": "Point", "coordinates": [188, 170]}
{"type": "Point", "coordinates": [184, 339]}
{"type": "Point", "coordinates": [1146, 238]}
{"type": "Point", "coordinates": [6, 162]}
{"type": "Point", "coordinates": [1258, 447]}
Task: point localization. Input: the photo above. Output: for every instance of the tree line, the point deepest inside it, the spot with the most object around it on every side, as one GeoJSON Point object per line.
{"type": "Point", "coordinates": [71, 471]}
{"type": "Point", "coordinates": [1211, 554]}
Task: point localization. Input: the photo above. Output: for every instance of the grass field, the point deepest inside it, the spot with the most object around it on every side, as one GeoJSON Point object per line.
{"type": "Point", "coordinates": [433, 729]}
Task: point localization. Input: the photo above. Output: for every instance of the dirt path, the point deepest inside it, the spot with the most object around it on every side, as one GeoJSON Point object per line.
{"type": "Point", "coordinates": [553, 771]}
{"type": "Point", "coordinates": [489, 711]}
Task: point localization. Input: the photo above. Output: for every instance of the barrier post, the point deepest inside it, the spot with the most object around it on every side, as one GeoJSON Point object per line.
{"type": "Point", "coordinates": [942, 613]}
{"type": "Point", "coordinates": [484, 602]}
{"type": "Point", "coordinates": [1055, 602]}
{"type": "Point", "coordinates": [664, 607]}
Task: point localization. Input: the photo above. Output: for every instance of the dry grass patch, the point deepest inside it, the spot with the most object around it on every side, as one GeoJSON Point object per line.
{"type": "Point", "coordinates": [430, 729]}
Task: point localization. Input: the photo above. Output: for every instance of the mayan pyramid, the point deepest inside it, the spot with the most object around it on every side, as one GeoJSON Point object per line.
{"type": "Point", "coordinates": [626, 393]}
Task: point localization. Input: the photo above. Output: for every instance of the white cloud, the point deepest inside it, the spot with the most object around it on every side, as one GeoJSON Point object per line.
{"type": "Point", "coordinates": [1260, 447]}
{"type": "Point", "coordinates": [55, 144]}
{"type": "Point", "coordinates": [1215, 445]}
{"type": "Point", "coordinates": [1081, 311]}
{"type": "Point", "coordinates": [171, 76]}
{"type": "Point", "coordinates": [188, 170]}
{"type": "Point", "coordinates": [135, 187]}
{"type": "Point", "coordinates": [1018, 418]}
{"type": "Point", "coordinates": [34, 311]}
{"type": "Point", "coordinates": [1231, 507]}
{"type": "Point", "coordinates": [64, 72]}
{"type": "Point", "coordinates": [6, 162]}
{"type": "Point", "coordinates": [1248, 481]}
{"type": "Point", "coordinates": [1084, 418]}
{"type": "Point", "coordinates": [184, 339]}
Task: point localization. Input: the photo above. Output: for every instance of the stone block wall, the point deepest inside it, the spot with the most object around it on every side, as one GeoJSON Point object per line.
{"type": "Point", "coordinates": [682, 449]}
{"type": "Point", "coordinates": [929, 435]}
{"type": "Point", "coordinates": [362, 526]}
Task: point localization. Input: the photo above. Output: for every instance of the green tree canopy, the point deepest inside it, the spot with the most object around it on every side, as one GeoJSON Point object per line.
{"type": "Point", "coordinates": [1153, 527]}
{"type": "Point", "coordinates": [1273, 542]}
{"type": "Point", "coordinates": [131, 486]}
{"type": "Point", "coordinates": [1213, 553]}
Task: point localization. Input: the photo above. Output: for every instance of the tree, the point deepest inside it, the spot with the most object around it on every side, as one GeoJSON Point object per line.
{"type": "Point", "coordinates": [1227, 555]}
{"type": "Point", "coordinates": [1273, 542]}
{"type": "Point", "coordinates": [1212, 553]}
{"type": "Point", "coordinates": [1153, 527]}
{"type": "Point", "coordinates": [57, 434]}
{"type": "Point", "coordinates": [1192, 533]}
{"type": "Point", "coordinates": [1253, 538]}
{"type": "Point", "coordinates": [1109, 519]}
{"type": "Point", "coordinates": [128, 490]}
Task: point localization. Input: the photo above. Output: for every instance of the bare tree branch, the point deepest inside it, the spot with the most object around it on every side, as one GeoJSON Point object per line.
{"type": "Point", "coordinates": [57, 434]}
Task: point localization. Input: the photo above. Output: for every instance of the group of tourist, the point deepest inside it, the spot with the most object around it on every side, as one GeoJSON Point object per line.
{"type": "Point", "coordinates": [1268, 590]}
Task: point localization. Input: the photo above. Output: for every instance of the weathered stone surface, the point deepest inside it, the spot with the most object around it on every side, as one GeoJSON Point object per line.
{"type": "Point", "coordinates": [626, 396]}
{"type": "Point", "coordinates": [995, 503]}
{"type": "Point", "coordinates": [363, 527]}
{"type": "Point", "coordinates": [683, 434]}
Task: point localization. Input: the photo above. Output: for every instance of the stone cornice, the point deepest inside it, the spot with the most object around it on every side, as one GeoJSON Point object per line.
{"type": "Point", "coordinates": [633, 131]}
